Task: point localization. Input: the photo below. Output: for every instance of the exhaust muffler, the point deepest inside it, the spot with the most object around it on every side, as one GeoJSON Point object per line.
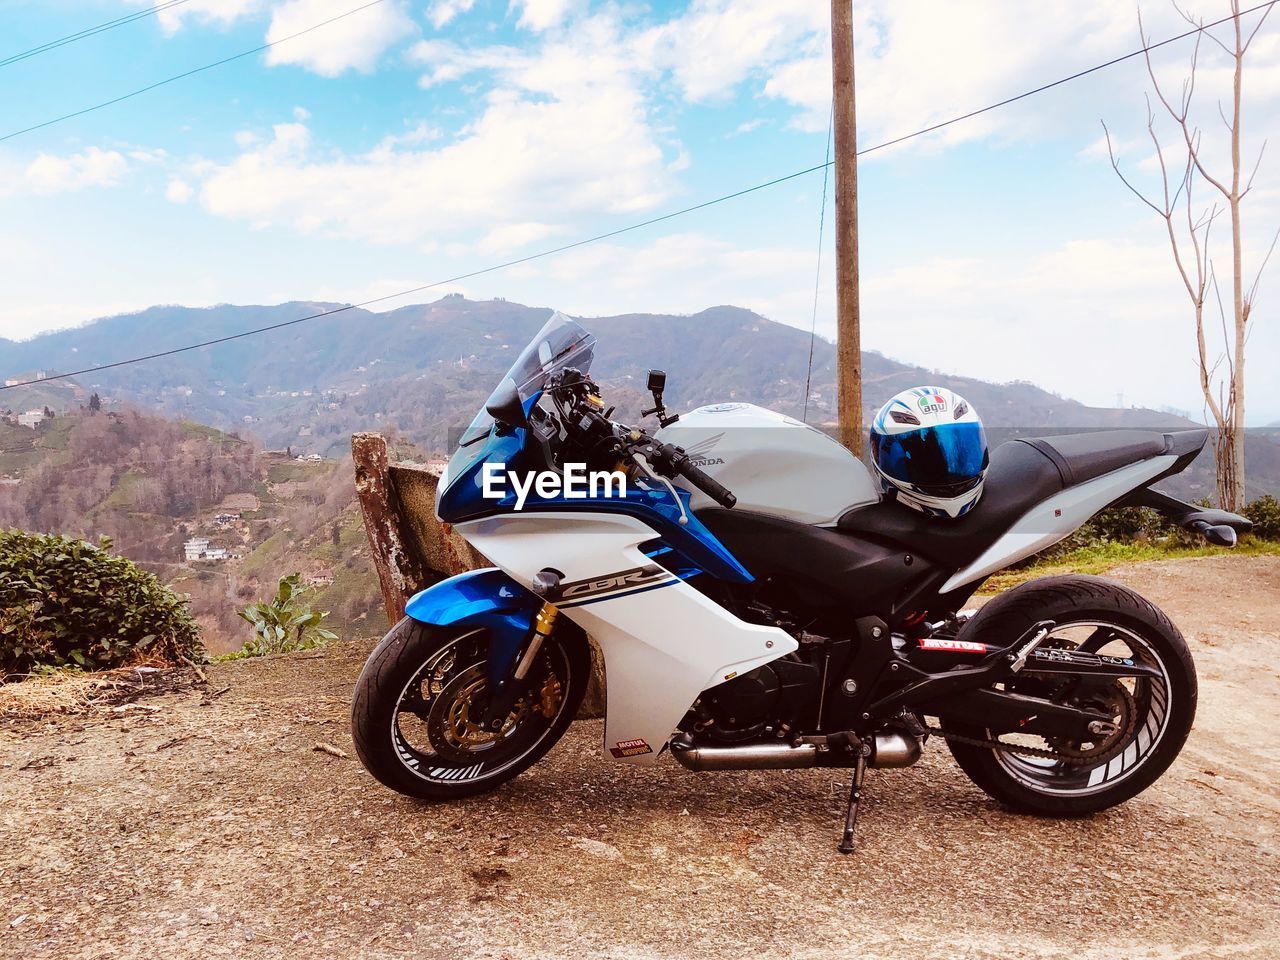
{"type": "Point", "coordinates": [748, 756]}
{"type": "Point", "coordinates": [893, 749]}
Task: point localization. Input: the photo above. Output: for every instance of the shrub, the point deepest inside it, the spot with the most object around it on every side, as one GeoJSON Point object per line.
{"type": "Point", "coordinates": [282, 623]}
{"type": "Point", "coordinates": [66, 602]}
{"type": "Point", "coordinates": [1265, 514]}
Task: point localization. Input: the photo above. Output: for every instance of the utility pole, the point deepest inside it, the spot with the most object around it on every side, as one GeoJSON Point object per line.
{"type": "Point", "coordinates": [848, 315]}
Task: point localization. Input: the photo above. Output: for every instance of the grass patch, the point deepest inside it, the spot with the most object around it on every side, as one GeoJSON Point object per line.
{"type": "Point", "coordinates": [1103, 557]}
{"type": "Point", "coordinates": [199, 431]}
{"type": "Point", "coordinates": [283, 471]}
{"type": "Point", "coordinates": [270, 553]}
{"type": "Point", "coordinates": [123, 493]}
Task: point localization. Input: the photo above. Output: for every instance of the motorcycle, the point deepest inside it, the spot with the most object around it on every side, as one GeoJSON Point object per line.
{"type": "Point", "coordinates": [759, 605]}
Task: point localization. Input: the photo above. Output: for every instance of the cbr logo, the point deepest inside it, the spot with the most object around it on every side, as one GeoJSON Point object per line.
{"type": "Point", "coordinates": [955, 646]}
{"type": "Point", "coordinates": [627, 578]}
{"type": "Point", "coordinates": [631, 748]}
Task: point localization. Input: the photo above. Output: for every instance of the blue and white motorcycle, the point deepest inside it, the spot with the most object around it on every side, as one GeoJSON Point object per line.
{"type": "Point", "coordinates": [759, 605]}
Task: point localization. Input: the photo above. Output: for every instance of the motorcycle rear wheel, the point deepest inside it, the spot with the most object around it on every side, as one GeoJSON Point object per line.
{"type": "Point", "coordinates": [417, 702]}
{"type": "Point", "coordinates": [1153, 717]}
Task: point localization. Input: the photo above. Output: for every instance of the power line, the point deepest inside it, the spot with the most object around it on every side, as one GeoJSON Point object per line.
{"type": "Point", "coordinates": [193, 72]}
{"type": "Point", "coordinates": [612, 233]}
{"type": "Point", "coordinates": [91, 31]}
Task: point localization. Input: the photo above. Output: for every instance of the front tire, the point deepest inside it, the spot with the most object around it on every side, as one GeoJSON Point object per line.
{"type": "Point", "coordinates": [1155, 716]}
{"type": "Point", "coordinates": [411, 716]}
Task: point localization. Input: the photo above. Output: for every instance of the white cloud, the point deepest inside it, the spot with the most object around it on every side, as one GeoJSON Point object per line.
{"type": "Point", "coordinates": [1089, 318]}
{"type": "Point", "coordinates": [353, 43]}
{"type": "Point", "coordinates": [443, 12]}
{"type": "Point", "coordinates": [540, 15]}
{"type": "Point", "coordinates": [513, 236]}
{"type": "Point", "coordinates": [717, 44]}
{"type": "Point", "coordinates": [222, 12]}
{"type": "Point", "coordinates": [178, 191]}
{"type": "Point", "coordinates": [564, 133]}
{"type": "Point", "coordinates": [920, 63]}
{"type": "Point", "coordinates": [93, 167]}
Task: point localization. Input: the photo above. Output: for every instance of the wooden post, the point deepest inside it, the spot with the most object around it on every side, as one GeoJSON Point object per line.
{"type": "Point", "coordinates": [400, 572]}
{"type": "Point", "coordinates": [848, 317]}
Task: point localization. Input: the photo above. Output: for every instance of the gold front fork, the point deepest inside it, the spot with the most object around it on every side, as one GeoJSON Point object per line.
{"type": "Point", "coordinates": [543, 624]}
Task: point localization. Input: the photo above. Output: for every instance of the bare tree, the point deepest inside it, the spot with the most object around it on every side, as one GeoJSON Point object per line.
{"type": "Point", "coordinates": [1189, 223]}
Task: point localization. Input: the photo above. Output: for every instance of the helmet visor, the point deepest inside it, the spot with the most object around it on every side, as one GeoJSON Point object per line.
{"type": "Point", "coordinates": [944, 460]}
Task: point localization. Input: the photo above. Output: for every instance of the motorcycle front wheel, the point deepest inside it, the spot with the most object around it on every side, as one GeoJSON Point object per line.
{"type": "Point", "coordinates": [420, 698]}
{"type": "Point", "coordinates": [1150, 717]}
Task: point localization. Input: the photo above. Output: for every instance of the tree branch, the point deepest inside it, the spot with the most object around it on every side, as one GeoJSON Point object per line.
{"type": "Point", "coordinates": [1256, 27]}
{"type": "Point", "coordinates": [1253, 289]}
{"type": "Point", "coordinates": [1115, 165]}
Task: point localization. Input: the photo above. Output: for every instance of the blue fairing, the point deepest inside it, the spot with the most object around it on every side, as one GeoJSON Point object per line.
{"type": "Point", "coordinates": [485, 598]}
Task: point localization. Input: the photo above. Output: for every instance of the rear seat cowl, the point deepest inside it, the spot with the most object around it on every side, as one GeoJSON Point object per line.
{"type": "Point", "coordinates": [1080, 457]}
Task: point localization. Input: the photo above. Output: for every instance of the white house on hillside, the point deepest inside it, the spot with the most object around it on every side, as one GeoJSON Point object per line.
{"type": "Point", "coordinates": [31, 418]}
{"type": "Point", "coordinates": [196, 547]}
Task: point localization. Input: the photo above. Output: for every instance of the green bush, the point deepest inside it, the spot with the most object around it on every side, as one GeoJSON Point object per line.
{"type": "Point", "coordinates": [65, 602]}
{"type": "Point", "coordinates": [285, 623]}
{"type": "Point", "coordinates": [1265, 514]}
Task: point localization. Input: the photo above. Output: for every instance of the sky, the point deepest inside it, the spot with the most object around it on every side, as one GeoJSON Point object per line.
{"type": "Point", "coordinates": [409, 142]}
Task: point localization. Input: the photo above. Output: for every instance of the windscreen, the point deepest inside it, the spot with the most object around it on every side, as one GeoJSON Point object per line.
{"type": "Point", "coordinates": [560, 343]}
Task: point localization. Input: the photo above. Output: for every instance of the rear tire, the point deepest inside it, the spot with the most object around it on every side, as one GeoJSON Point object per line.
{"type": "Point", "coordinates": [1163, 711]}
{"type": "Point", "coordinates": [390, 695]}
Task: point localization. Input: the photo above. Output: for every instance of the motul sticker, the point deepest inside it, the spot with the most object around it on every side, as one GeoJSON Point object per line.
{"type": "Point", "coordinates": [630, 748]}
{"type": "Point", "coordinates": [953, 646]}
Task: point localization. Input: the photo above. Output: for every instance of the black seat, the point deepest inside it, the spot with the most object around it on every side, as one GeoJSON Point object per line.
{"type": "Point", "coordinates": [1084, 456]}
{"type": "Point", "coordinates": [1022, 473]}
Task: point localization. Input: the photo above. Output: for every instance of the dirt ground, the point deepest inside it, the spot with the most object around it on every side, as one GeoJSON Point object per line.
{"type": "Point", "coordinates": [212, 827]}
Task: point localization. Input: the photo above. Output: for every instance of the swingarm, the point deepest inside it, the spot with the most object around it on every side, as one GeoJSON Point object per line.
{"type": "Point", "coordinates": [966, 692]}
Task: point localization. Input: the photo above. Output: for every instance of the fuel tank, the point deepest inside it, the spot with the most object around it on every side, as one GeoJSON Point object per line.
{"type": "Point", "coordinates": [774, 464]}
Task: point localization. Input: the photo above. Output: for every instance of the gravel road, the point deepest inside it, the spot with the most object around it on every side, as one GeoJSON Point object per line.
{"type": "Point", "coordinates": [212, 827]}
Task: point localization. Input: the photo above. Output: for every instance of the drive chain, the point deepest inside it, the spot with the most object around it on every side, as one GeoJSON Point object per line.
{"type": "Point", "coordinates": [997, 745]}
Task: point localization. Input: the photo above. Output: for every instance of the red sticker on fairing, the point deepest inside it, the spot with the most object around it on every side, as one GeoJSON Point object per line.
{"type": "Point", "coordinates": [630, 748]}
{"type": "Point", "coordinates": [952, 646]}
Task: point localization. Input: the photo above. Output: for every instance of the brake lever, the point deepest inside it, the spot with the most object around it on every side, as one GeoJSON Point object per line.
{"type": "Point", "coordinates": [643, 464]}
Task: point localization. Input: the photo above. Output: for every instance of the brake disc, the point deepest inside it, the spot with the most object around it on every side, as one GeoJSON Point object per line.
{"type": "Point", "coordinates": [453, 723]}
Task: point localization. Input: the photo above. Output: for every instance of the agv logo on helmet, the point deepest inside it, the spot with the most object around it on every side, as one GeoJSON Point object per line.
{"type": "Point", "coordinates": [933, 403]}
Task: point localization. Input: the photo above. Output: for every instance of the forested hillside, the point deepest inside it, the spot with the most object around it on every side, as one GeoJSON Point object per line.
{"type": "Point", "coordinates": [151, 484]}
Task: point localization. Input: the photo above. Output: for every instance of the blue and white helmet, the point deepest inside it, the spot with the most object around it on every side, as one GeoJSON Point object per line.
{"type": "Point", "coordinates": [930, 450]}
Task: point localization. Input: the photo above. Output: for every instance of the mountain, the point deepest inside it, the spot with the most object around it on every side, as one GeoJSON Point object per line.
{"type": "Point", "coordinates": [424, 370]}
{"type": "Point", "coordinates": [423, 364]}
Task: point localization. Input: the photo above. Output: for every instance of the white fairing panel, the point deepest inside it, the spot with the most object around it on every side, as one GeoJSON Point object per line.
{"type": "Point", "coordinates": [774, 464]}
{"type": "Point", "coordinates": [1062, 514]}
{"type": "Point", "coordinates": [663, 641]}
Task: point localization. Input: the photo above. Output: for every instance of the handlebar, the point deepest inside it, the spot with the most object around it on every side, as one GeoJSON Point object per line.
{"type": "Point", "coordinates": [680, 464]}
{"type": "Point", "coordinates": [665, 457]}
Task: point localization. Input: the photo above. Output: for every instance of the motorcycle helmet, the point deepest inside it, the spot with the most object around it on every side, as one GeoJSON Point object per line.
{"type": "Point", "coordinates": [930, 450]}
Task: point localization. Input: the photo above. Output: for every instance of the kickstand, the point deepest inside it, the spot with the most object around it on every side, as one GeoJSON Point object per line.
{"type": "Point", "coordinates": [855, 794]}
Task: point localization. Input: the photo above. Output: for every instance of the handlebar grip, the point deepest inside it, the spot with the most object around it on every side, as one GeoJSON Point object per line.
{"type": "Point", "coordinates": [717, 492]}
